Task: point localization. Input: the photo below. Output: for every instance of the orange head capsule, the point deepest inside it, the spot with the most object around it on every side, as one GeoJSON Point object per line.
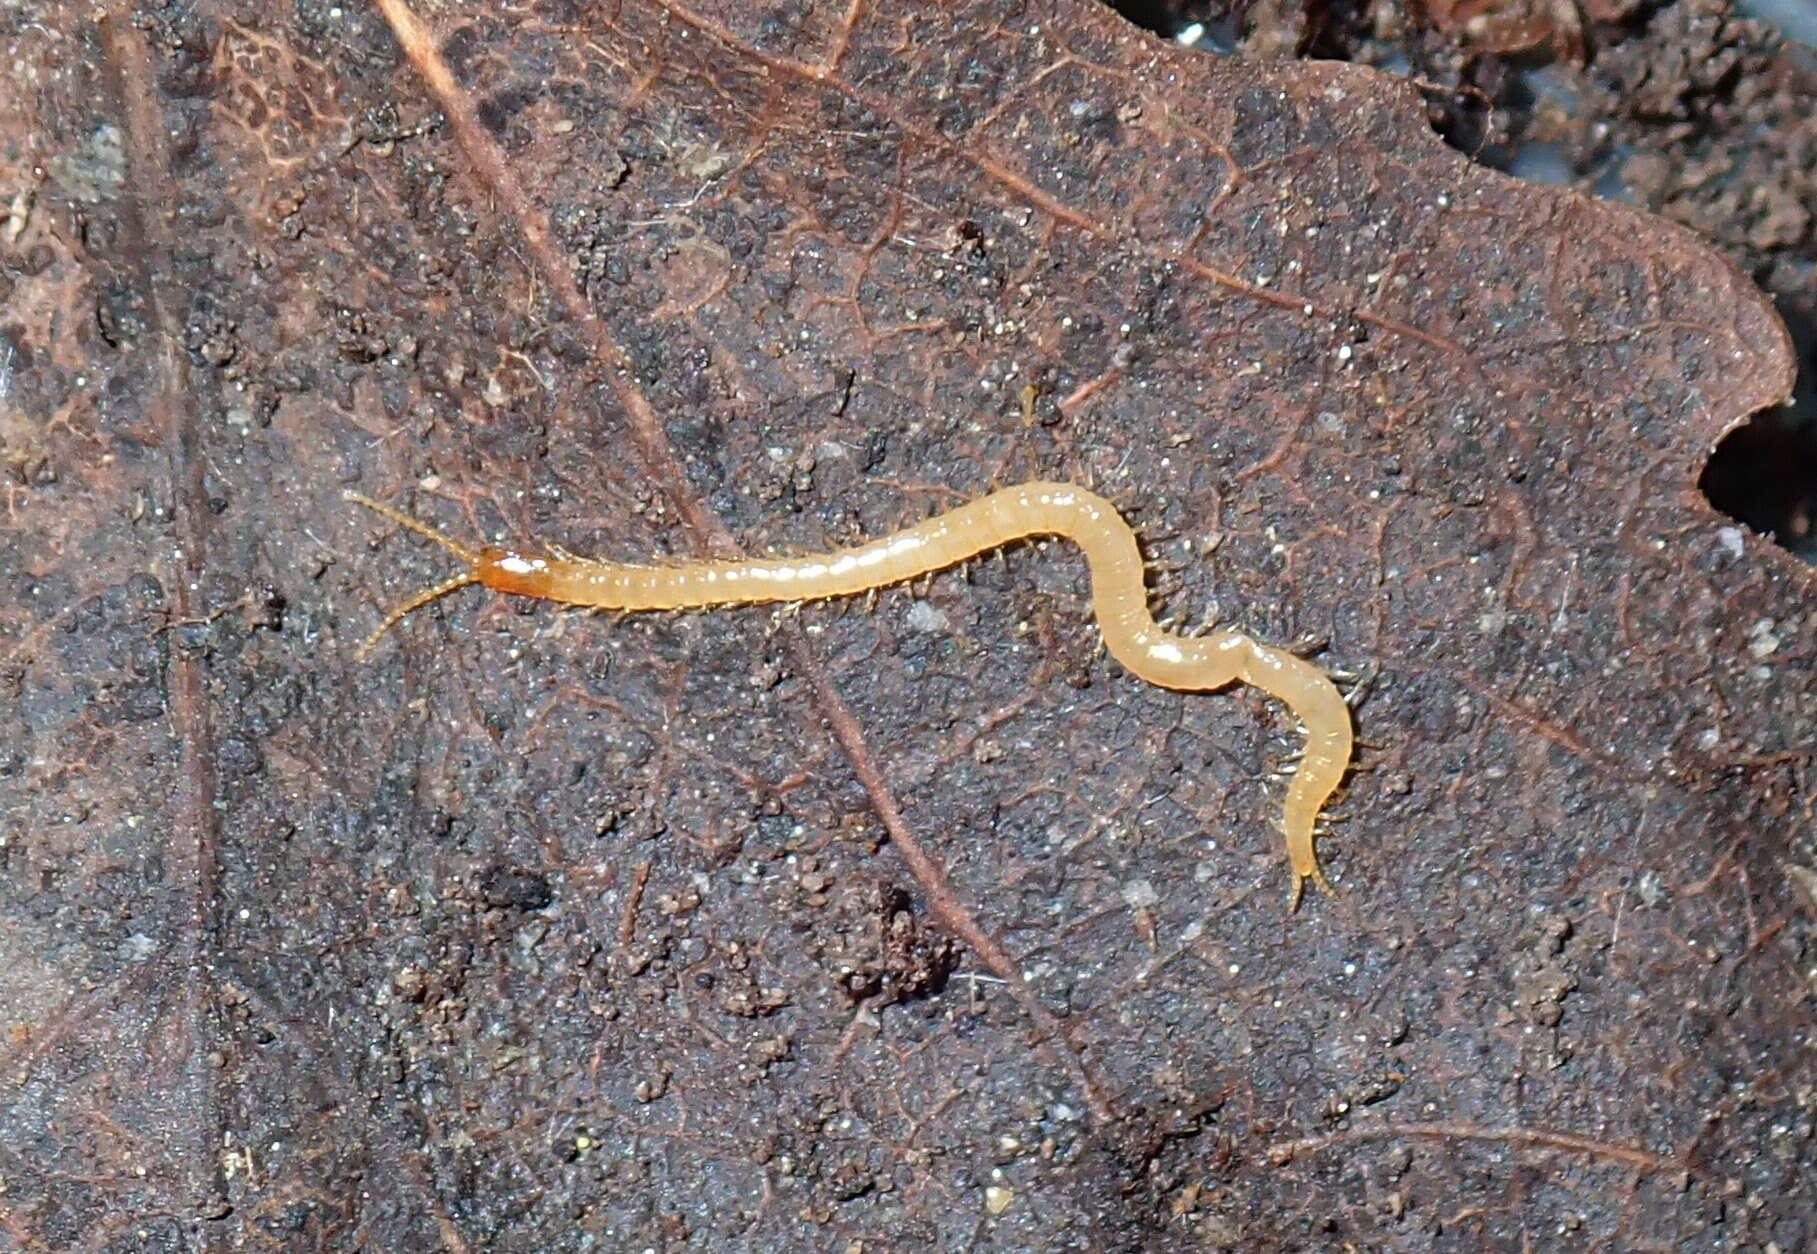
{"type": "Point", "coordinates": [507, 570]}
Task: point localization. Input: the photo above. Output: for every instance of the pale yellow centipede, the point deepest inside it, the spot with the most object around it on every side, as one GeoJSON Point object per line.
{"type": "Point", "coordinates": [1119, 599]}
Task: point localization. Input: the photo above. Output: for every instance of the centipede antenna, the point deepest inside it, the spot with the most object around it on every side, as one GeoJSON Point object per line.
{"type": "Point", "coordinates": [421, 599]}
{"type": "Point", "coordinates": [405, 521]}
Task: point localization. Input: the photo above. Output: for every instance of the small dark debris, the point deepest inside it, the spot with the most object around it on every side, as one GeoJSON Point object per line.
{"type": "Point", "coordinates": [515, 888]}
{"type": "Point", "coordinates": [911, 962]}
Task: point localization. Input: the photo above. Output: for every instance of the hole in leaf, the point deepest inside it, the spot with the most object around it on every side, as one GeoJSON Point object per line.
{"type": "Point", "coordinates": [1765, 475]}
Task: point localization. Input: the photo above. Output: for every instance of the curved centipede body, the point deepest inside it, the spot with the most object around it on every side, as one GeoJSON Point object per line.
{"type": "Point", "coordinates": [1118, 591]}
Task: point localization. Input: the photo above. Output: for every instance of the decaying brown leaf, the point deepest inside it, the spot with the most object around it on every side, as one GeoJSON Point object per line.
{"type": "Point", "coordinates": [542, 931]}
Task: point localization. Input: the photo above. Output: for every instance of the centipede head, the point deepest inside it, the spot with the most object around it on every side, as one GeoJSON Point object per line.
{"type": "Point", "coordinates": [435, 593]}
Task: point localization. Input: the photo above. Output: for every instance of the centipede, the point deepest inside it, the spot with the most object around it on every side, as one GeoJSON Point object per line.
{"type": "Point", "coordinates": [1119, 600]}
